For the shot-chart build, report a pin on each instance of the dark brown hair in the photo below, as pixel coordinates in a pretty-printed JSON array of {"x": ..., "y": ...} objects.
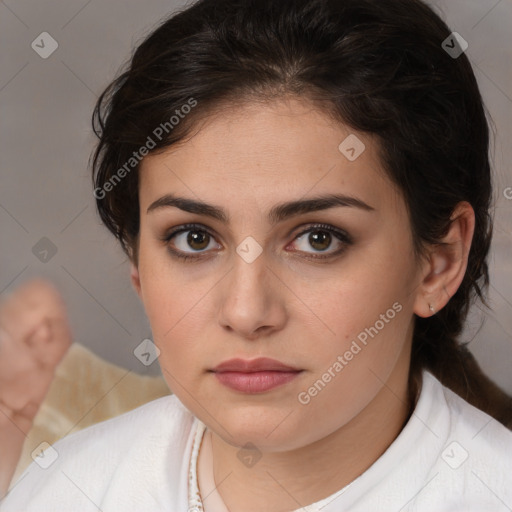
[{"x": 376, "y": 66}]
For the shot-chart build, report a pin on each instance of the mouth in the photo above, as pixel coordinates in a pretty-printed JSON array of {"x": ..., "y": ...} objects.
[{"x": 254, "y": 376}]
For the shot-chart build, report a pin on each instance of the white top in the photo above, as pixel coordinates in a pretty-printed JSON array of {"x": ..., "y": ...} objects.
[{"x": 449, "y": 457}]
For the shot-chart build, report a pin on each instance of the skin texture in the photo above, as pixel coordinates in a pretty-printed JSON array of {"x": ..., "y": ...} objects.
[{"x": 300, "y": 311}]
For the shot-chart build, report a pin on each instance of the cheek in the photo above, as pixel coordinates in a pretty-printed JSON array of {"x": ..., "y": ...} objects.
[
  {"x": 172, "y": 317},
  {"x": 351, "y": 371},
  {"x": 351, "y": 297},
  {"x": 362, "y": 315},
  {"x": 171, "y": 295}
]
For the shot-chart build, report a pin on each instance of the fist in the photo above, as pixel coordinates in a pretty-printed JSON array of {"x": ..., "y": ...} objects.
[{"x": 34, "y": 337}]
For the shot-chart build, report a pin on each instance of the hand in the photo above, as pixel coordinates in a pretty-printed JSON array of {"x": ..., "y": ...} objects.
[{"x": 34, "y": 337}]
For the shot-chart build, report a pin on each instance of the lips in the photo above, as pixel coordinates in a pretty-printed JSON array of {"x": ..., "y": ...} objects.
[
  {"x": 254, "y": 376},
  {"x": 260, "y": 364}
]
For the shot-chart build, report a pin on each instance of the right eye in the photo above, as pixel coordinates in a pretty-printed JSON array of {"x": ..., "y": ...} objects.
[{"x": 189, "y": 236}]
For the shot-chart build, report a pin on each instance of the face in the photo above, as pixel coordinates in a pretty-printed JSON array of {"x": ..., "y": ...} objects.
[{"x": 328, "y": 291}]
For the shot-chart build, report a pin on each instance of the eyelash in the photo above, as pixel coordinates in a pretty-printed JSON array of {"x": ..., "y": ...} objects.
[{"x": 340, "y": 235}]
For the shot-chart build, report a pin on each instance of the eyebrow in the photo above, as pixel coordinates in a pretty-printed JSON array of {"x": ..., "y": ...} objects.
[{"x": 277, "y": 213}]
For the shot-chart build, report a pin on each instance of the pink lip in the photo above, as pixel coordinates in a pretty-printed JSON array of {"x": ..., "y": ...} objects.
[
  {"x": 254, "y": 365},
  {"x": 254, "y": 376}
]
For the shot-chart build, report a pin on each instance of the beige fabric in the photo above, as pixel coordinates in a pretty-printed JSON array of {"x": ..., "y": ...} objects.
[{"x": 86, "y": 390}]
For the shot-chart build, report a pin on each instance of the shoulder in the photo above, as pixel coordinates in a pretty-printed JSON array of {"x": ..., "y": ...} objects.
[
  {"x": 485, "y": 434},
  {"x": 84, "y": 465},
  {"x": 164, "y": 412},
  {"x": 142, "y": 423},
  {"x": 475, "y": 459}
]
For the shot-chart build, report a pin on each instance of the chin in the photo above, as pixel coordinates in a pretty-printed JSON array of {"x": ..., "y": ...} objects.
[{"x": 270, "y": 432}]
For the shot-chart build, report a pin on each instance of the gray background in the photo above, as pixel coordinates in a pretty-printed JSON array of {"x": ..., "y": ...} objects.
[{"x": 46, "y": 141}]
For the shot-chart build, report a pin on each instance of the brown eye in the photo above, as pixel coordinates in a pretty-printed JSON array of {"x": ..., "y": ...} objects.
[
  {"x": 198, "y": 240},
  {"x": 189, "y": 241},
  {"x": 321, "y": 238}
]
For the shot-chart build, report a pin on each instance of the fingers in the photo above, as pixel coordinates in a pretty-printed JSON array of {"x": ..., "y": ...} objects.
[
  {"x": 35, "y": 314},
  {"x": 34, "y": 337},
  {"x": 24, "y": 380},
  {"x": 50, "y": 341},
  {"x": 20, "y": 419},
  {"x": 16, "y": 360}
]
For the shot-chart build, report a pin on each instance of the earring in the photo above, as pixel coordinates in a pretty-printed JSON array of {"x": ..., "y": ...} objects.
[{"x": 431, "y": 308}]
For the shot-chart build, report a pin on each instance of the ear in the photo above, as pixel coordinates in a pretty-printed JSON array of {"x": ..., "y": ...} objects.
[
  {"x": 135, "y": 279},
  {"x": 445, "y": 268}
]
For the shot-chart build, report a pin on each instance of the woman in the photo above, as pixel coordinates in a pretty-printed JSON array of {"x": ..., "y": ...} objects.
[{"x": 303, "y": 190}]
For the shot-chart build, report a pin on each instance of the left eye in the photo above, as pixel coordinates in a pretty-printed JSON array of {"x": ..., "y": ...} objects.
[{"x": 320, "y": 237}]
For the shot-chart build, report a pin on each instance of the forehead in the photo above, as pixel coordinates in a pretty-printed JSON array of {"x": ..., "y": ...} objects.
[{"x": 267, "y": 153}]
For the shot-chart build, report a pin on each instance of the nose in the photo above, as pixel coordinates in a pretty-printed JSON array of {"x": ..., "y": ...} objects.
[{"x": 252, "y": 301}]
